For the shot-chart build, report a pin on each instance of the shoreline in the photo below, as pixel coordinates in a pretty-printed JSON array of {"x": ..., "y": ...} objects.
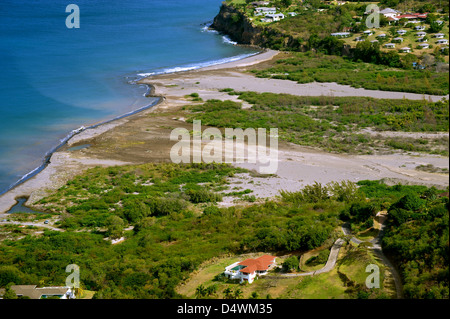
[
  {"x": 82, "y": 133},
  {"x": 138, "y": 127},
  {"x": 70, "y": 138}
]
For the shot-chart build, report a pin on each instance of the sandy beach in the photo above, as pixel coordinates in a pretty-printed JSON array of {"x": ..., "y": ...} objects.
[{"x": 145, "y": 137}]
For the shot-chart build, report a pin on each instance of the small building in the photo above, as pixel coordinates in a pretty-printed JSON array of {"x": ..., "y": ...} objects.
[
  {"x": 292, "y": 14},
  {"x": 389, "y": 45},
  {"x": 398, "y": 39},
  {"x": 424, "y": 45},
  {"x": 367, "y": 32},
  {"x": 439, "y": 35},
  {"x": 32, "y": 292},
  {"x": 422, "y": 39},
  {"x": 359, "y": 39},
  {"x": 383, "y": 35},
  {"x": 419, "y": 27},
  {"x": 275, "y": 17},
  {"x": 421, "y": 34},
  {"x": 374, "y": 41},
  {"x": 402, "y": 32},
  {"x": 249, "y": 269},
  {"x": 405, "y": 49},
  {"x": 264, "y": 11},
  {"x": 341, "y": 34},
  {"x": 390, "y": 13},
  {"x": 442, "y": 41}
]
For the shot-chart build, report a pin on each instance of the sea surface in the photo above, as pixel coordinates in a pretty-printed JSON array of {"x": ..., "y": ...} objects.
[{"x": 54, "y": 79}]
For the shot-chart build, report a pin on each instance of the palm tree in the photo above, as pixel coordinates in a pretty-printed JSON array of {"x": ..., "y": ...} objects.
[
  {"x": 238, "y": 294},
  {"x": 200, "y": 292},
  {"x": 228, "y": 293}
]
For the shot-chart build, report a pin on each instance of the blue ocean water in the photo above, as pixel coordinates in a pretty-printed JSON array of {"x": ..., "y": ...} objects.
[{"x": 54, "y": 79}]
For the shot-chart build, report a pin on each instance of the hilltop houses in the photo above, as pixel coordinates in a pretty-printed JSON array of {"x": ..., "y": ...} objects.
[
  {"x": 249, "y": 269},
  {"x": 390, "y": 13},
  {"x": 341, "y": 34},
  {"x": 389, "y": 45},
  {"x": 264, "y": 11},
  {"x": 405, "y": 49},
  {"x": 442, "y": 41}
]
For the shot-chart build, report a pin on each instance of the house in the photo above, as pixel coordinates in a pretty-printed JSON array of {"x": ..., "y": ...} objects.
[
  {"x": 389, "y": 45},
  {"x": 439, "y": 35},
  {"x": 422, "y": 39},
  {"x": 341, "y": 34},
  {"x": 442, "y": 41},
  {"x": 411, "y": 16},
  {"x": 249, "y": 269},
  {"x": 265, "y": 10},
  {"x": 359, "y": 39},
  {"x": 383, "y": 35},
  {"x": 405, "y": 49},
  {"x": 32, "y": 292},
  {"x": 421, "y": 34},
  {"x": 424, "y": 45},
  {"x": 402, "y": 32},
  {"x": 367, "y": 32},
  {"x": 374, "y": 41},
  {"x": 292, "y": 14},
  {"x": 419, "y": 27},
  {"x": 390, "y": 13},
  {"x": 275, "y": 17},
  {"x": 398, "y": 39}
]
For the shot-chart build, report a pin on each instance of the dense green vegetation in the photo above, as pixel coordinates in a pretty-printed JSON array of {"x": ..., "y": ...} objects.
[
  {"x": 416, "y": 236},
  {"x": 332, "y": 123},
  {"x": 168, "y": 241},
  {"x": 171, "y": 239},
  {"x": 309, "y": 67}
]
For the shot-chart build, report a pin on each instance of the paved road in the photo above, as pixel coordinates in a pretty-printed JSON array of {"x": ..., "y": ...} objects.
[
  {"x": 376, "y": 246},
  {"x": 331, "y": 262}
]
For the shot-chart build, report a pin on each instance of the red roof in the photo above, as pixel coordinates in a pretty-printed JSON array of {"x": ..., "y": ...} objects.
[
  {"x": 262, "y": 263},
  {"x": 413, "y": 16}
]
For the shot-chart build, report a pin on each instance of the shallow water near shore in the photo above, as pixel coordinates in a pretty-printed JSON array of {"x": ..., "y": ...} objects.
[{"x": 56, "y": 79}]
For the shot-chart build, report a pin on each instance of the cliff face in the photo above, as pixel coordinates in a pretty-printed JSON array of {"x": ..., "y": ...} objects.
[{"x": 239, "y": 28}]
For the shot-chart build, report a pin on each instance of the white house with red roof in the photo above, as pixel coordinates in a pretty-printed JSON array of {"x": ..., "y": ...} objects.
[{"x": 248, "y": 269}]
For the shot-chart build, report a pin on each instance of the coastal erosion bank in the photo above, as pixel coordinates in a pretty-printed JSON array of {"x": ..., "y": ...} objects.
[{"x": 145, "y": 137}]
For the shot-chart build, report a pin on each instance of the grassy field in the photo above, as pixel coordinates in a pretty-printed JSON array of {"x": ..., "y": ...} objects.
[
  {"x": 309, "y": 67},
  {"x": 333, "y": 123}
]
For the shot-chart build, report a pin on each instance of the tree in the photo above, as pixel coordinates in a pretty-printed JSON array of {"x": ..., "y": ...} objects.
[
  {"x": 290, "y": 263},
  {"x": 9, "y": 293},
  {"x": 228, "y": 293},
  {"x": 200, "y": 292},
  {"x": 114, "y": 226},
  {"x": 435, "y": 27},
  {"x": 238, "y": 293}
]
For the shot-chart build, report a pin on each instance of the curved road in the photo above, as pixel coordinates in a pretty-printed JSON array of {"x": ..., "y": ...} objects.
[{"x": 376, "y": 246}]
